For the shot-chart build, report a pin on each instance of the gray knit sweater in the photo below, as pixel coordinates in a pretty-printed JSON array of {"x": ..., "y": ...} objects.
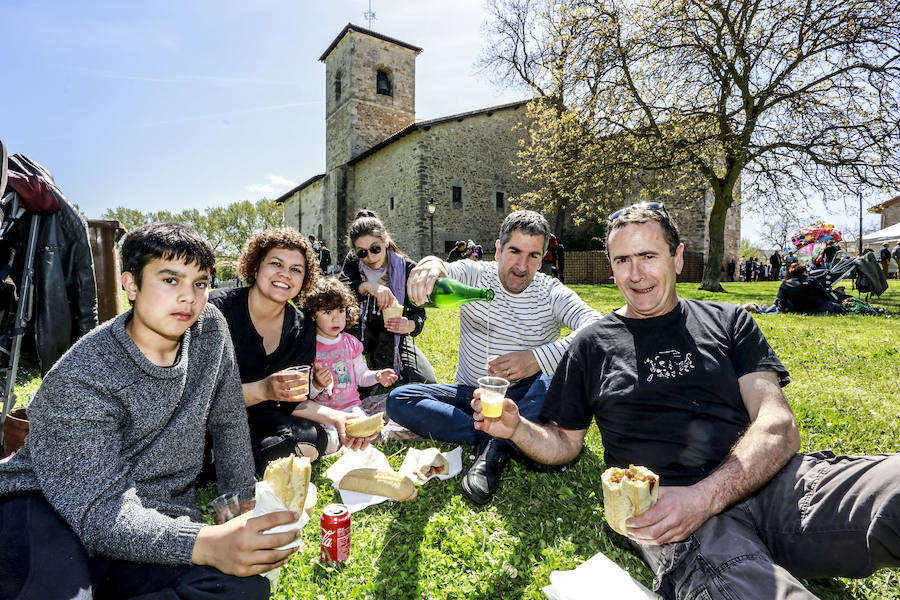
[{"x": 117, "y": 441}]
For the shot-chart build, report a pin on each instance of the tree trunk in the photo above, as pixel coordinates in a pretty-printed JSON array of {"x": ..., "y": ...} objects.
[
  {"x": 712, "y": 270},
  {"x": 560, "y": 223}
]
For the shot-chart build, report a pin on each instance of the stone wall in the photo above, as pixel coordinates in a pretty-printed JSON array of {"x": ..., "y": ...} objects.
[{"x": 473, "y": 153}]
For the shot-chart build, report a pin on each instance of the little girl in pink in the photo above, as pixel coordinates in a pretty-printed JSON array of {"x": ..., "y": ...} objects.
[{"x": 339, "y": 368}]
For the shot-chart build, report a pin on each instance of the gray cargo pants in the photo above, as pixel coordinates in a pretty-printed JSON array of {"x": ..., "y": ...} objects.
[{"x": 821, "y": 516}]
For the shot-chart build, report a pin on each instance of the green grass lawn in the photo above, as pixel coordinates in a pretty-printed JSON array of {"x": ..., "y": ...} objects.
[{"x": 844, "y": 391}]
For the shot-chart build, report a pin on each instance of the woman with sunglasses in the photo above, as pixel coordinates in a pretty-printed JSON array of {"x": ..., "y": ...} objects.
[{"x": 378, "y": 277}]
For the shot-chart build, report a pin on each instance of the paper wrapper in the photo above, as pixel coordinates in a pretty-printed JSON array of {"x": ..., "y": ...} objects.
[
  {"x": 267, "y": 502},
  {"x": 597, "y": 573},
  {"x": 370, "y": 457}
]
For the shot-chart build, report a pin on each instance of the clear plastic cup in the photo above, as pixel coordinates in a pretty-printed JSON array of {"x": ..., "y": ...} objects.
[
  {"x": 231, "y": 504},
  {"x": 303, "y": 371},
  {"x": 493, "y": 391}
]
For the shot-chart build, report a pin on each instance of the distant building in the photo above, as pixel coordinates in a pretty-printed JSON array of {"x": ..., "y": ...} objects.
[
  {"x": 889, "y": 211},
  {"x": 379, "y": 157}
]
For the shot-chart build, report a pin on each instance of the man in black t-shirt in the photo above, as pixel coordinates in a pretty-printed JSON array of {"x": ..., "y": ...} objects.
[{"x": 692, "y": 390}]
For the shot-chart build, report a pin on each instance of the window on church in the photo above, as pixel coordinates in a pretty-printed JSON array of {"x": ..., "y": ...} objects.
[
  {"x": 337, "y": 87},
  {"x": 457, "y": 196},
  {"x": 383, "y": 83},
  {"x": 500, "y": 204},
  {"x": 391, "y": 206}
]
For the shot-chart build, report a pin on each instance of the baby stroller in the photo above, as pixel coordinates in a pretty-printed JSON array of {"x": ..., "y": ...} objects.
[{"x": 864, "y": 270}]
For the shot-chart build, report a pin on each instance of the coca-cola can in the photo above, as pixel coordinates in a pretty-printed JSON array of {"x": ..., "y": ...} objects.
[{"x": 335, "y": 533}]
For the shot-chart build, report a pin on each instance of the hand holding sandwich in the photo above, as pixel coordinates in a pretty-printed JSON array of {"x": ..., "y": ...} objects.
[{"x": 239, "y": 547}]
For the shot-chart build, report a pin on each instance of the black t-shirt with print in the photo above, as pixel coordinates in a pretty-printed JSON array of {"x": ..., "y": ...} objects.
[{"x": 664, "y": 391}]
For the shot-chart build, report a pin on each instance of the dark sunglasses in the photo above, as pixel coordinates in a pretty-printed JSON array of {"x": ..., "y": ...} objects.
[
  {"x": 659, "y": 206},
  {"x": 362, "y": 252}
]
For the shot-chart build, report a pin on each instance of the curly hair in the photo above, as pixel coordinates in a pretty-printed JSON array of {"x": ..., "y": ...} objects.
[
  {"x": 259, "y": 245},
  {"x": 329, "y": 294}
]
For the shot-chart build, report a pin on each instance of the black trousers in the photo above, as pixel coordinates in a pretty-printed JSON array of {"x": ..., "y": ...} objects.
[{"x": 41, "y": 558}]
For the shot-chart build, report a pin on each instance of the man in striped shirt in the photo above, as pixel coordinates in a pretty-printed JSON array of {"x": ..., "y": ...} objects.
[{"x": 516, "y": 336}]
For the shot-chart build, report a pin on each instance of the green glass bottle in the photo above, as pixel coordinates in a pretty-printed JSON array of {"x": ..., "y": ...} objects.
[{"x": 448, "y": 293}]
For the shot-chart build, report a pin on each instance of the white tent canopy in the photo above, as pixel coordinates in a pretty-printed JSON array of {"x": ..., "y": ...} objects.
[{"x": 888, "y": 234}]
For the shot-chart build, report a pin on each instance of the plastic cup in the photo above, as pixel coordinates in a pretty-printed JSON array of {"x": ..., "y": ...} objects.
[
  {"x": 303, "y": 372},
  {"x": 232, "y": 504},
  {"x": 493, "y": 390},
  {"x": 490, "y": 357}
]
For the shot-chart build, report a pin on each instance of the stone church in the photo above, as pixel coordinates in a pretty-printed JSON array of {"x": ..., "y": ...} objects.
[{"x": 379, "y": 157}]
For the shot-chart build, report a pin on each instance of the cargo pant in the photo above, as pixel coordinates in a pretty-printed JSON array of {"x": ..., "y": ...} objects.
[{"x": 821, "y": 516}]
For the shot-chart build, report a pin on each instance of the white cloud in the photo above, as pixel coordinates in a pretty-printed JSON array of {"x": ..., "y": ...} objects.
[
  {"x": 282, "y": 181},
  {"x": 276, "y": 182}
]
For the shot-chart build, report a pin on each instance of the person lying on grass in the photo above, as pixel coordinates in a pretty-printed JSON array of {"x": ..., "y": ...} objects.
[
  {"x": 100, "y": 500},
  {"x": 692, "y": 390},
  {"x": 523, "y": 321}
]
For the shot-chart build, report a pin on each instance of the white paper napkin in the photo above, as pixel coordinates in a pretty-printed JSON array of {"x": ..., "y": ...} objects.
[
  {"x": 597, "y": 573},
  {"x": 370, "y": 457}
]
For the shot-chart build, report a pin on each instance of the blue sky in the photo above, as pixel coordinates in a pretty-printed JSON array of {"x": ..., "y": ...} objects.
[{"x": 173, "y": 105}]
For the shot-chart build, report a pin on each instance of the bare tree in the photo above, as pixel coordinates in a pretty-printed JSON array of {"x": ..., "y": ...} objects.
[{"x": 771, "y": 96}]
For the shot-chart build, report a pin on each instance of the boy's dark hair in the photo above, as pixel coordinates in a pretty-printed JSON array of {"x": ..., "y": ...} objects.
[
  {"x": 329, "y": 294},
  {"x": 166, "y": 241},
  {"x": 259, "y": 245}
]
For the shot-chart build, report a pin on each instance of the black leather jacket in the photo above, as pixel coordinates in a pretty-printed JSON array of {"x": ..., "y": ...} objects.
[{"x": 65, "y": 290}]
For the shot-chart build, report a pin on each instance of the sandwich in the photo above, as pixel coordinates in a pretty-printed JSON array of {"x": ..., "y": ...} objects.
[
  {"x": 377, "y": 482},
  {"x": 393, "y": 311},
  {"x": 289, "y": 479},
  {"x": 361, "y": 427},
  {"x": 627, "y": 493}
]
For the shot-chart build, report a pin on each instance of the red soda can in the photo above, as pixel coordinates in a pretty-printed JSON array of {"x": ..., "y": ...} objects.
[{"x": 335, "y": 533}]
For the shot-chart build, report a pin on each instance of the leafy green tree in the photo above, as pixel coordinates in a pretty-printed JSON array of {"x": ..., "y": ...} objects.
[
  {"x": 227, "y": 228},
  {"x": 759, "y": 97}
]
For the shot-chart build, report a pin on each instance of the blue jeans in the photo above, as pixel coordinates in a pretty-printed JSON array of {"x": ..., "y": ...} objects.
[
  {"x": 443, "y": 412},
  {"x": 821, "y": 516},
  {"x": 41, "y": 558}
]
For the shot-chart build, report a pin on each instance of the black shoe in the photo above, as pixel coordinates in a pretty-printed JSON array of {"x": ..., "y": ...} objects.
[{"x": 481, "y": 481}]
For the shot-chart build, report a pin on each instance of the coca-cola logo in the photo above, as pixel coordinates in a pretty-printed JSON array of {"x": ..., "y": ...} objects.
[{"x": 327, "y": 538}]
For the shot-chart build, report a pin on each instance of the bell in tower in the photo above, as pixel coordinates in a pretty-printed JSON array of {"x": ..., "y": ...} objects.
[{"x": 383, "y": 83}]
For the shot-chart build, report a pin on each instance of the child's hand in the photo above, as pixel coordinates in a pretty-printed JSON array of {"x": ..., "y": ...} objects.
[
  {"x": 385, "y": 377},
  {"x": 353, "y": 443},
  {"x": 322, "y": 377}
]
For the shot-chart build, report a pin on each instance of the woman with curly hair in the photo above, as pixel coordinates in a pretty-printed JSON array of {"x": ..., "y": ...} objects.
[
  {"x": 378, "y": 278},
  {"x": 270, "y": 334}
]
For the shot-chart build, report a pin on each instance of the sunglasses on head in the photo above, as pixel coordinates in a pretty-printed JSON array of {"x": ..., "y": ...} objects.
[
  {"x": 658, "y": 206},
  {"x": 361, "y": 253}
]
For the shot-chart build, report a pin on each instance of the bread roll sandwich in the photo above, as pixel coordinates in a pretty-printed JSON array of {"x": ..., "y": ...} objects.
[
  {"x": 379, "y": 483},
  {"x": 393, "y": 311},
  {"x": 431, "y": 462},
  {"x": 289, "y": 479},
  {"x": 627, "y": 493},
  {"x": 365, "y": 426}
]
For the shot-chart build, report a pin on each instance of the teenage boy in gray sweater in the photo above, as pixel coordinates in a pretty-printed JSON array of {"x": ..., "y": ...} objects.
[{"x": 99, "y": 503}]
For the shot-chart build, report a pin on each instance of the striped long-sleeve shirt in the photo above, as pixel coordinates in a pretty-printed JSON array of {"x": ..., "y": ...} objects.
[{"x": 530, "y": 320}]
